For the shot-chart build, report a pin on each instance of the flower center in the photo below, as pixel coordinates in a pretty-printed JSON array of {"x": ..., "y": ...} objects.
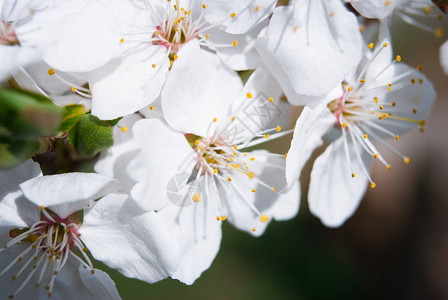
[
  {"x": 7, "y": 35},
  {"x": 52, "y": 240},
  {"x": 177, "y": 28}
]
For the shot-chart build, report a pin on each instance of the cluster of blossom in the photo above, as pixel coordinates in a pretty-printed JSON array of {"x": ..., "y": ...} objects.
[{"x": 183, "y": 160}]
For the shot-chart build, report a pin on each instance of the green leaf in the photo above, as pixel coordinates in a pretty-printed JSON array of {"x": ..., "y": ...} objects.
[
  {"x": 25, "y": 115},
  {"x": 91, "y": 135},
  {"x": 72, "y": 114},
  {"x": 12, "y": 153}
]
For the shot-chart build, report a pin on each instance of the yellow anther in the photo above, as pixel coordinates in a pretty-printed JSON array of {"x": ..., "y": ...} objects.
[
  {"x": 122, "y": 40},
  {"x": 252, "y": 159},
  {"x": 414, "y": 111},
  {"x": 370, "y": 45},
  {"x": 381, "y": 107},
  {"x": 362, "y": 81},
  {"x": 412, "y": 80},
  {"x": 344, "y": 125},
  {"x": 373, "y": 185},
  {"x": 254, "y": 229},
  {"x": 420, "y": 80},
  {"x": 207, "y": 36},
  {"x": 217, "y": 218},
  {"x": 389, "y": 84},
  {"x": 200, "y": 148},
  {"x": 350, "y": 89},
  {"x": 386, "y": 3},
  {"x": 398, "y": 58},
  {"x": 124, "y": 129},
  {"x": 273, "y": 189},
  {"x": 70, "y": 104},
  {"x": 353, "y": 175},
  {"x": 427, "y": 9},
  {"x": 394, "y": 104},
  {"x": 397, "y": 137},
  {"x": 171, "y": 62},
  {"x": 223, "y": 218},
  {"x": 422, "y": 130},
  {"x": 215, "y": 119},
  {"x": 438, "y": 32},
  {"x": 286, "y": 155},
  {"x": 245, "y": 154},
  {"x": 365, "y": 136},
  {"x": 251, "y": 175},
  {"x": 331, "y": 14},
  {"x": 278, "y": 128},
  {"x": 234, "y": 154},
  {"x": 361, "y": 28},
  {"x": 42, "y": 207},
  {"x": 233, "y": 15},
  {"x": 266, "y": 136},
  {"x": 235, "y": 147},
  {"x": 388, "y": 167},
  {"x": 204, "y": 6},
  {"x": 376, "y": 100},
  {"x": 257, "y": 8},
  {"x": 294, "y": 28},
  {"x": 422, "y": 123},
  {"x": 385, "y": 44},
  {"x": 151, "y": 108},
  {"x": 229, "y": 178},
  {"x": 253, "y": 190},
  {"x": 233, "y": 119},
  {"x": 407, "y": 160},
  {"x": 196, "y": 197},
  {"x": 51, "y": 72},
  {"x": 74, "y": 89},
  {"x": 271, "y": 99},
  {"x": 389, "y": 89},
  {"x": 419, "y": 67},
  {"x": 215, "y": 171},
  {"x": 153, "y": 65},
  {"x": 264, "y": 218},
  {"x": 375, "y": 155},
  {"x": 231, "y": 159},
  {"x": 249, "y": 95},
  {"x": 176, "y": 57},
  {"x": 235, "y": 43}
]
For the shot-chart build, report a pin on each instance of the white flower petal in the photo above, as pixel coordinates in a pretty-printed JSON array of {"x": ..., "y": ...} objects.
[
  {"x": 72, "y": 44},
  {"x": 444, "y": 57},
  {"x": 198, "y": 233},
  {"x": 317, "y": 43},
  {"x": 164, "y": 154},
  {"x": 14, "y": 57},
  {"x": 128, "y": 84},
  {"x": 199, "y": 88},
  {"x": 274, "y": 66},
  {"x": 334, "y": 194},
  {"x": 377, "y": 9},
  {"x": 314, "y": 122},
  {"x": 15, "y": 210},
  {"x": 69, "y": 192},
  {"x": 248, "y": 13},
  {"x": 96, "y": 286},
  {"x": 243, "y": 56},
  {"x": 137, "y": 244}
]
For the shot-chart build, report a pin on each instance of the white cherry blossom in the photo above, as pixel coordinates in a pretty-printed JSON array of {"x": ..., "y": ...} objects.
[
  {"x": 46, "y": 237},
  {"x": 382, "y": 99}
]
